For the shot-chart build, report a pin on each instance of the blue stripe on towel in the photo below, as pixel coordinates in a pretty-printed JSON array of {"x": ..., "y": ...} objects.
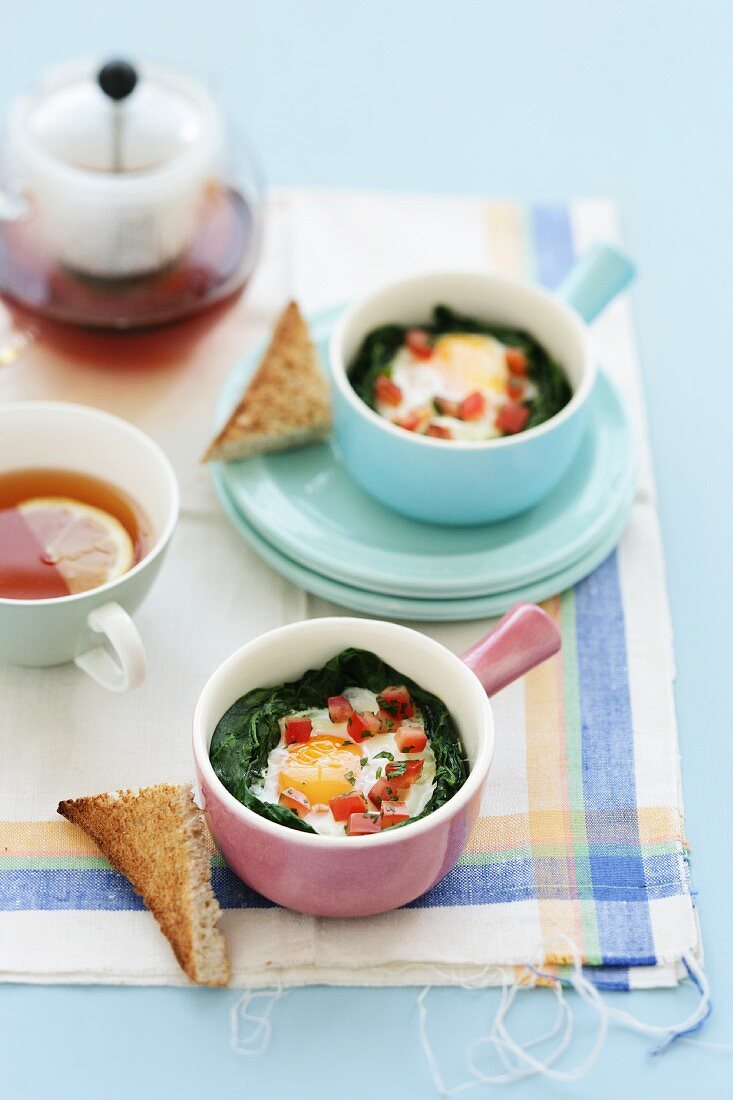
[
  {"x": 608, "y": 977},
  {"x": 554, "y": 254},
  {"x": 98, "y": 888},
  {"x": 467, "y": 884},
  {"x": 608, "y": 743}
]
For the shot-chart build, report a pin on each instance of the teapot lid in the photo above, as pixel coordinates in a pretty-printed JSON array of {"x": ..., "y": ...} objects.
[{"x": 121, "y": 118}]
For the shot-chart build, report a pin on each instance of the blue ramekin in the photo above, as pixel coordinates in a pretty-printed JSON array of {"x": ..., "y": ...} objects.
[{"x": 450, "y": 481}]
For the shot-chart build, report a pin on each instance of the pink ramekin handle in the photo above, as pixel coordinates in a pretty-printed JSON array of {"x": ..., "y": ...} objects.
[{"x": 526, "y": 636}]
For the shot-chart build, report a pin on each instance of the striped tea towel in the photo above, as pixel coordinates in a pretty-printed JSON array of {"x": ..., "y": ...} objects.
[{"x": 581, "y": 832}]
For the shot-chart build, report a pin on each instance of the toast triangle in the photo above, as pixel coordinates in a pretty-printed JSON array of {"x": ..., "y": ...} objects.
[
  {"x": 157, "y": 839},
  {"x": 287, "y": 403}
]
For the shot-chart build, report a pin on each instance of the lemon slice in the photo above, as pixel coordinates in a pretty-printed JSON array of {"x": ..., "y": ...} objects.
[{"x": 87, "y": 545}]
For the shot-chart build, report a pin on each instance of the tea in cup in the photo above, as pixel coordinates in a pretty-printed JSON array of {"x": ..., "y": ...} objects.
[{"x": 88, "y": 504}]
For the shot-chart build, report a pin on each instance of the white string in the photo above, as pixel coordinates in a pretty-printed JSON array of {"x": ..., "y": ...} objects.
[
  {"x": 563, "y": 1015},
  {"x": 502, "y": 1043},
  {"x": 262, "y": 1030},
  {"x": 525, "y": 1064},
  {"x": 669, "y": 1033},
  {"x": 516, "y": 1057}
]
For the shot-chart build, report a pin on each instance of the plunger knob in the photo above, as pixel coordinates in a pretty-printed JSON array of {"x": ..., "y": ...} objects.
[{"x": 117, "y": 79}]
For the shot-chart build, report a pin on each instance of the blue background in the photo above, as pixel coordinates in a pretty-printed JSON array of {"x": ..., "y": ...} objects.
[{"x": 542, "y": 100}]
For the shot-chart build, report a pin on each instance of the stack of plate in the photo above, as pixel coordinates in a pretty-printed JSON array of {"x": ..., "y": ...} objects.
[{"x": 305, "y": 516}]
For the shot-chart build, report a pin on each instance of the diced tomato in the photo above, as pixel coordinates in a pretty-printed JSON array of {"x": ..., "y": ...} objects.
[
  {"x": 388, "y": 721},
  {"x": 393, "y": 813},
  {"x": 363, "y": 824},
  {"x": 386, "y": 391},
  {"x": 361, "y": 726},
  {"x": 356, "y": 727},
  {"x": 418, "y": 343},
  {"x": 448, "y": 408},
  {"x": 410, "y": 423},
  {"x": 511, "y": 418},
  {"x": 515, "y": 388},
  {"x": 339, "y": 708},
  {"x": 439, "y": 431},
  {"x": 297, "y": 729},
  {"x": 295, "y": 800},
  {"x": 379, "y": 723},
  {"x": 383, "y": 791},
  {"x": 516, "y": 361},
  {"x": 413, "y": 421},
  {"x": 396, "y": 701},
  {"x": 344, "y": 805},
  {"x": 403, "y": 773},
  {"x": 410, "y": 739},
  {"x": 473, "y": 407}
]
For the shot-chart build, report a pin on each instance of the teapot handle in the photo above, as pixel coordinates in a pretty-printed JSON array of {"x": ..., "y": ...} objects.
[{"x": 525, "y": 637}]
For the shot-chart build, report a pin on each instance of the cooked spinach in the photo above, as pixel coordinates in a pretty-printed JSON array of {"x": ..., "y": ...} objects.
[
  {"x": 249, "y": 730},
  {"x": 375, "y": 357},
  {"x": 382, "y": 344}
]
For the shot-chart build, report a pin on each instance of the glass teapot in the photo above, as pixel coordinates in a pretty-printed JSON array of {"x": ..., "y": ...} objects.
[{"x": 113, "y": 177}]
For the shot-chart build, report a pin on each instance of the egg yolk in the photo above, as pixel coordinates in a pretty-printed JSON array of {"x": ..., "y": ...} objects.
[
  {"x": 471, "y": 362},
  {"x": 319, "y": 768}
]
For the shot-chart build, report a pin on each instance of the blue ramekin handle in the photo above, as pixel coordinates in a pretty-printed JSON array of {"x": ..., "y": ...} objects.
[{"x": 601, "y": 273}]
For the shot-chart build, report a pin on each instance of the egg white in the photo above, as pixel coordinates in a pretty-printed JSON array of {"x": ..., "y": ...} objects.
[
  {"x": 321, "y": 819},
  {"x": 471, "y": 363}
]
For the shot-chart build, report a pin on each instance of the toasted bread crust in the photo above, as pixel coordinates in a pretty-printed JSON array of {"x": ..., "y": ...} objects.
[
  {"x": 157, "y": 839},
  {"x": 287, "y": 403}
]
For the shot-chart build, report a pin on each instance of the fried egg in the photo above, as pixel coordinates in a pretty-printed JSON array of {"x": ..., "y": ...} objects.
[
  {"x": 461, "y": 364},
  {"x": 330, "y": 764}
]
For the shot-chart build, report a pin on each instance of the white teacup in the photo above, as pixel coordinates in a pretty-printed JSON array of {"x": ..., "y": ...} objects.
[{"x": 93, "y": 629}]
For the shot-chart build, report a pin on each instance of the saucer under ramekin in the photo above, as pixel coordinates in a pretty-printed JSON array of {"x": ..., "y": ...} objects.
[
  {"x": 424, "y": 610},
  {"x": 305, "y": 507}
]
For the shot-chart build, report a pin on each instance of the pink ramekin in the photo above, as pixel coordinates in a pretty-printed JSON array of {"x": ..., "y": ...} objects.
[{"x": 359, "y": 876}]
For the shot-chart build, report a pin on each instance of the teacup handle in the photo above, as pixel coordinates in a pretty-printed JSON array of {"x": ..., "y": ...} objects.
[
  {"x": 525, "y": 637},
  {"x": 129, "y": 668},
  {"x": 601, "y": 273}
]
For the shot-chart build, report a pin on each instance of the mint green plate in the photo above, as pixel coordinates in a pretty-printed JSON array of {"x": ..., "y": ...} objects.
[
  {"x": 422, "y": 610},
  {"x": 305, "y": 505}
]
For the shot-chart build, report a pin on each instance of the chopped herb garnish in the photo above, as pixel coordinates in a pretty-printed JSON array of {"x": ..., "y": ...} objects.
[
  {"x": 380, "y": 346},
  {"x": 351, "y": 778},
  {"x": 364, "y": 761},
  {"x": 383, "y": 755},
  {"x": 379, "y": 773},
  {"x": 248, "y": 731}
]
